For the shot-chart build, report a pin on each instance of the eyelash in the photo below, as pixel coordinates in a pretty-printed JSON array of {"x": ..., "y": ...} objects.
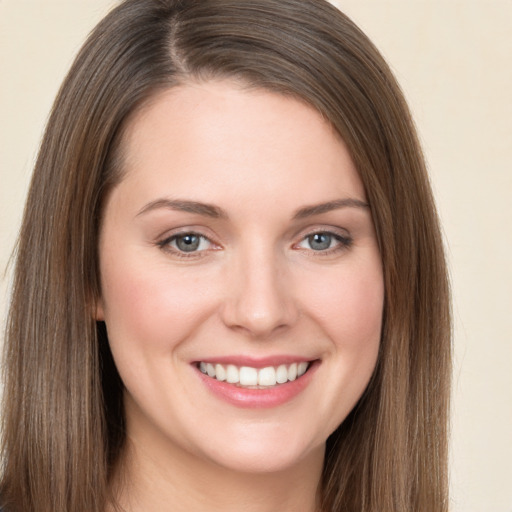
[
  {"x": 343, "y": 242},
  {"x": 165, "y": 244}
]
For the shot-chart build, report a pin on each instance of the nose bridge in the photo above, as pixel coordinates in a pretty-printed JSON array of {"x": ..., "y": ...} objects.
[{"x": 259, "y": 298}]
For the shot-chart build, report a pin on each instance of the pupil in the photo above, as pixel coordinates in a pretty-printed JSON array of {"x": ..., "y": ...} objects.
[
  {"x": 188, "y": 243},
  {"x": 320, "y": 241}
]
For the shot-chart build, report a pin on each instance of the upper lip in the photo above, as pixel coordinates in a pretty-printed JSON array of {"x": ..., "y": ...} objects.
[{"x": 256, "y": 362}]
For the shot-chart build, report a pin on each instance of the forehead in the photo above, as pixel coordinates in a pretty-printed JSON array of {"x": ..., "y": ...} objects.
[{"x": 199, "y": 135}]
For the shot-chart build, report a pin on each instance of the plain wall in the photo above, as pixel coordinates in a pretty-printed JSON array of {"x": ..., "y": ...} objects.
[{"x": 453, "y": 59}]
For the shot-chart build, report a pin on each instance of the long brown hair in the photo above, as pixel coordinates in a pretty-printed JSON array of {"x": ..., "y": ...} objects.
[{"x": 63, "y": 425}]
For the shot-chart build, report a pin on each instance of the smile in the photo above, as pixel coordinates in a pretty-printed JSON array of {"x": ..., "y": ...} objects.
[{"x": 254, "y": 378}]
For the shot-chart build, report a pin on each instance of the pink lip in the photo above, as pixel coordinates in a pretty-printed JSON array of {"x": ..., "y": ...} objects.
[{"x": 258, "y": 398}]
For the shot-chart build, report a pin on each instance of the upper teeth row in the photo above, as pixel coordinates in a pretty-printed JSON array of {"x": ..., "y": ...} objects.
[{"x": 248, "y": 376}]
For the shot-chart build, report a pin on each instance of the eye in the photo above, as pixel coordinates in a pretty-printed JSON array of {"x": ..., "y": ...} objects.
[
  {"x": 324, "y": 241},
  {"x": 186, "y": 243}
]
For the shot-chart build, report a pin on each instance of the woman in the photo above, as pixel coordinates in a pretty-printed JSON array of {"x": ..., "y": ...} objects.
[{"x": 230, "y": 288}]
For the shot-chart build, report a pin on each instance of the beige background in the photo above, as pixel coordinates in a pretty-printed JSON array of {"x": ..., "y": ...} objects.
[{"x": 454, "y": 61}]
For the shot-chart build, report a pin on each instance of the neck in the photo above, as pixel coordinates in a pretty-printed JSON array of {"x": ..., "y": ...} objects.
[{"x": 181, "y": 482}]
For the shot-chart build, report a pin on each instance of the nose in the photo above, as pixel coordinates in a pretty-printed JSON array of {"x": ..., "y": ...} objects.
[{"x": 259, "y": 296}]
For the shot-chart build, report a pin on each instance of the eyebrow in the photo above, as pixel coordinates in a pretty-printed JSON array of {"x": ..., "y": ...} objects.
[
  {"x": 210, "y": 210},
  {"x": 318, "y": 209}
]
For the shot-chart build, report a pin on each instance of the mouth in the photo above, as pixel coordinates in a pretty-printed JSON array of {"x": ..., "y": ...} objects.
[
  {"x": 257, "y": 383},
  {"x": 249, "y": 377}
]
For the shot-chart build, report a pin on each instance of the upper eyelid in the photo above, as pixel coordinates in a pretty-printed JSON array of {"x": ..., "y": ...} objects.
[
  {"x": 164, "y": 244},
  {"x": 337, "y": 236},
  {"x": 171, "y": 237},
  {"x": 344, "y": 238},
  {"x": 334, "y": 230},
  {"x": 173, "y": 233},
  {"x": 299, "y": 235}
]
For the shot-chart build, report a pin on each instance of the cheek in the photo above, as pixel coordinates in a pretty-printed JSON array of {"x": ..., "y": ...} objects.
[
  {"x": 349, "y": 305},
  {"x": 151, "y": 305}
]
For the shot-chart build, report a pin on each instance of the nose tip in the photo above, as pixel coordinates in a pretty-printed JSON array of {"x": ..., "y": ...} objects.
[
  {"x": 259, "y": 301},
  {"x": 260, "y": 322}
]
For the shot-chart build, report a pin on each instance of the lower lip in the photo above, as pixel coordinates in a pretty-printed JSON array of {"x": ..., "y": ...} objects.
[{"x": 259, "y": 398}]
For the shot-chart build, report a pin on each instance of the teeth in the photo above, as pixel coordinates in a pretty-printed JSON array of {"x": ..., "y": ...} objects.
[
  {"x": 248, "y": 376},
  {"x": 267, "y": 376},
  {"x": 292, "y": 372},
  {"x": 220, "y": 372},
  {"x": 254, "y": 377},
  {"x": 210, "y": 370},
  {"x": 281, "y": 374},
  {"x": 301, "y": 369},
  {"x": 232, "y": 374}
]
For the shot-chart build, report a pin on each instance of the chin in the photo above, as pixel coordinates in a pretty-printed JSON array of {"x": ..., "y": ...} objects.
[{"x": 266, "y": 453}]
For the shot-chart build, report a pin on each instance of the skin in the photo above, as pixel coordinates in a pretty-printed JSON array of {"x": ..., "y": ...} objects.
[{"x": 255, "y": 286}]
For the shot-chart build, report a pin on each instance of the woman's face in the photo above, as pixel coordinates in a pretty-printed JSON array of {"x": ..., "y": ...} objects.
[{"x": 242, "y": 286}]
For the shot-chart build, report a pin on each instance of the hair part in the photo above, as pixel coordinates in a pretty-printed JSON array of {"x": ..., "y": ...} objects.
[{"x": 63, "y": 427}]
